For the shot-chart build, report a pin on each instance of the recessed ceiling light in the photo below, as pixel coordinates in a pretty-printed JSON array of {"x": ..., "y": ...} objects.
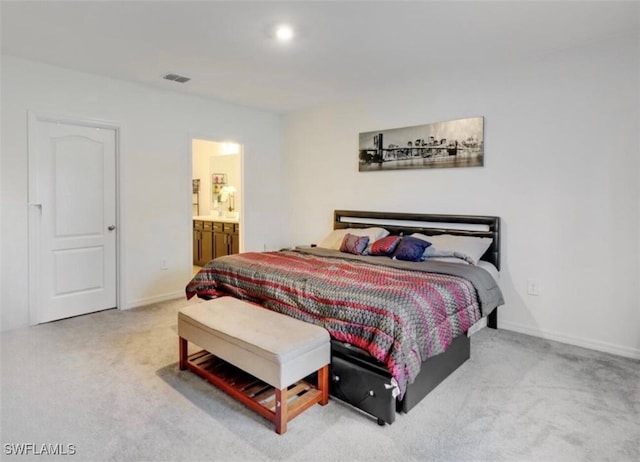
[{"x": 284, "y": 32}]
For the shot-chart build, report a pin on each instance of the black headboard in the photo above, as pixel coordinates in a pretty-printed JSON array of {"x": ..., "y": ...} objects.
[{"x": 430, "y": 224}]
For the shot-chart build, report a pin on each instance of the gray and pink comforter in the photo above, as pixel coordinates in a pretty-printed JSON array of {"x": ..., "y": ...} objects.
[{"x": 401, "y": 313}]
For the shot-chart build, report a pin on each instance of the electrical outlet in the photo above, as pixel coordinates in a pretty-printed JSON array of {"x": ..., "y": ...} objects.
[
  {"x": 533, "y": 288},
  {"x": 163, "y": 264}
]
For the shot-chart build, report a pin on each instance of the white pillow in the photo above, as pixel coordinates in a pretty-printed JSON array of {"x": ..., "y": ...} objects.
[
  {"x": 448, "y": 245},
  {"x": 335, "y": 237}
]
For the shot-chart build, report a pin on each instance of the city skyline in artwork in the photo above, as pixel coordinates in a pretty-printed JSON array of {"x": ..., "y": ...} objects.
[{"x": 450, "y": 144}]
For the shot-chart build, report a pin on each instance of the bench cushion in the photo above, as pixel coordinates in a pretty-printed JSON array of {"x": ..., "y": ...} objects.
[{"x": 271, "y": 346}]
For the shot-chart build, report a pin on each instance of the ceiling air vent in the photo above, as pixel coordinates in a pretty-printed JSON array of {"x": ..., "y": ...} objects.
[{"x": 176, "y": 78}]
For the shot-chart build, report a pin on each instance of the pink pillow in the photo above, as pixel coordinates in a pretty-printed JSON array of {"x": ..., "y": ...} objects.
[{"x": 384, "y": 246}]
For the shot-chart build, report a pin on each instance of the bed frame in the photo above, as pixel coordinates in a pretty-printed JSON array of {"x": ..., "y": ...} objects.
[{"x": 363, "y": 382}]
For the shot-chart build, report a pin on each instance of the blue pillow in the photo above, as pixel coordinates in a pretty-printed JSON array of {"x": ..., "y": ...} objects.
[
  {"x": 354, "y": 244},
  {"x": 411, "y": 249}
]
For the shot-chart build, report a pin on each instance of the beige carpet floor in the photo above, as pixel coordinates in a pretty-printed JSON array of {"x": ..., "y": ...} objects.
[{"x": 108, "y": 385}]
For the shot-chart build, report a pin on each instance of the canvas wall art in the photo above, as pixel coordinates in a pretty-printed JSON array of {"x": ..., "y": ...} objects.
[{"x": 456, "y": 143}]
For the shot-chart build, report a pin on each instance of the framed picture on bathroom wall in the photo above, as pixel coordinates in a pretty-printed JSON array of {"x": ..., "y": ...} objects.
[{"x": 218, "y": 181}]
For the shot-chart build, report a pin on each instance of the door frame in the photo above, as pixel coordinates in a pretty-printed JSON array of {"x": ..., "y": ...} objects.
[
  {"x": 33, "y": 201},
  {"x": 189, "y": 197}
]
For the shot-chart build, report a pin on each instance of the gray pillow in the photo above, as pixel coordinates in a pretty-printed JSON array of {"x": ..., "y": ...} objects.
[{"x": 467, "y": 248}]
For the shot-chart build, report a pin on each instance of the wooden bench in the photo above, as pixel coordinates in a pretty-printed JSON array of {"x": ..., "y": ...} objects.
[{"x": 257, "y": 356}]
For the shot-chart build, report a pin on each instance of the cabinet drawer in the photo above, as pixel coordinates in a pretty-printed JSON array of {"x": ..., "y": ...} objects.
[
  {"x": 207, "y": 225},
  {"x": 362, "y": 388},
  {"x": 217, "y": 226},
  {"x": 228, "y": 227},
  {"x": 197, "y": 224}
]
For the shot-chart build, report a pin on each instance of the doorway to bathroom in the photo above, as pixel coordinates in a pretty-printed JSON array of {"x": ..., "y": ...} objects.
[{"x": 217, "y": 199}]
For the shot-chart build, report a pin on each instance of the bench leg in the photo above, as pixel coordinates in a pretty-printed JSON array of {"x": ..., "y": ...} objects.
[
  {"x": 323, "y": 384},
  {"x": 183, "y": 352},
  {"x": 281, "y": 411}
]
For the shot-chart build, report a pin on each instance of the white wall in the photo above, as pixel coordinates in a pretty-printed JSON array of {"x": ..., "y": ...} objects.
[
  {"x": 157, "y": 129},
  {"x": 561, "y": 168},
  {"x": 229, "y": 164},
  {"x": 209, "y": 158},
  {"x": 201, "y": 152}
]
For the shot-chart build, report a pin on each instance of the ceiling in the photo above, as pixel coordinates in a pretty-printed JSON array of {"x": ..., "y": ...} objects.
[{"x": 341, "y": 48}]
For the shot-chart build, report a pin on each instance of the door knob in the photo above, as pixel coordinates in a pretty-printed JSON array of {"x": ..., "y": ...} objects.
[{"x": 111, "y": 227}]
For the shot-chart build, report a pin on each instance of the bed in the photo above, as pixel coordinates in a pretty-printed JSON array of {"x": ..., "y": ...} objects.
[{"x": 398, "y": 327}]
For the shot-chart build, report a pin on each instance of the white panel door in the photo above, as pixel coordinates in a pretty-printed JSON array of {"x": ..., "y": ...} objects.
[{"x": 76, "y": 187}]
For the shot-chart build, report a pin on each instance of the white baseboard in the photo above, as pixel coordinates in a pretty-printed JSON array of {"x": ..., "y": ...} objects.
[
  {"x": 597, "y": 345},
  {"x": 155, "y": 299}
]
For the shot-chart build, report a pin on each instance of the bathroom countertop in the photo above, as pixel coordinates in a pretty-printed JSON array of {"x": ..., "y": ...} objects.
[{"x": 222, "y": 219}]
